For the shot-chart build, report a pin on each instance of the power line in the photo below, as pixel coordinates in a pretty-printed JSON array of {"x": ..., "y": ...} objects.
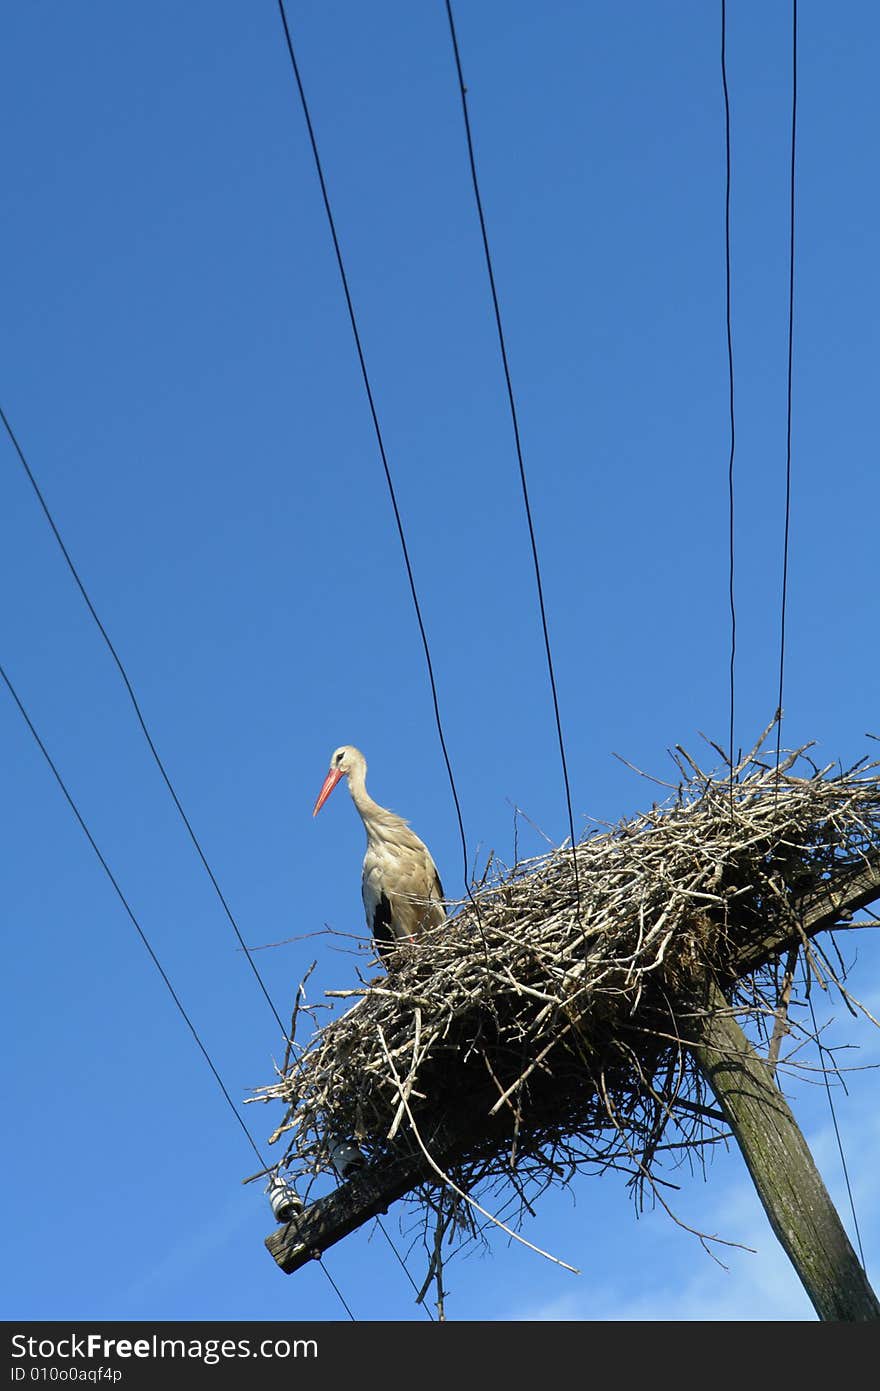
[
  {"x": 516, "y": 435},
  {"x": 785, "y": 549},
  {"x": 141, "y": 721},
  {"x": 137, "y": 709},
  {"x": 162, "y": 769},
  {"x": 143, "y": 936},
  {"x": 376, "y": 426},
  {"x": 339, "y": 1293},
  {"x": 126, "y": 905},
  {"x": 790, "y": 360},
  {"x": 319, "y": 169},
  {"x": 403, "y": 1265},
  {"x": 730, "y": 476},
  {"x": 838, "y": 1137}
]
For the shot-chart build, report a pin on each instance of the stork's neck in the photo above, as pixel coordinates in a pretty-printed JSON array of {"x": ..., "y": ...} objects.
[{"x": 371, "y": 813}]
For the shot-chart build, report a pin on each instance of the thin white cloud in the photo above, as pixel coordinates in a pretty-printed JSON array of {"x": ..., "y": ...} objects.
[{"x": 759, "y": 1286}]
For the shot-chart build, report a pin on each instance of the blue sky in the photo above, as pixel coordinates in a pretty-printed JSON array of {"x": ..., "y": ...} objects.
[{"x": 179, "y": 369}]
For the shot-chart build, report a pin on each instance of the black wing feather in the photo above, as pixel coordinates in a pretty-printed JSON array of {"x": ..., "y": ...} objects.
[{"x": 381, "y": 929}]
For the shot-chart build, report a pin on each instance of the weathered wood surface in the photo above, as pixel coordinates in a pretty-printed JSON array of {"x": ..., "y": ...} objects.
[
  {"x": 372, "y": 1190},
  {"x": 817, "y": 913},
  {"x": 367, "y": 1194},
  {"x": 787, "y": 1181}
]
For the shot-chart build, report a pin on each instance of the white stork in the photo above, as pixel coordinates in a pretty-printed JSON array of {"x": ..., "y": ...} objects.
[{"x": 402, "y": 893}]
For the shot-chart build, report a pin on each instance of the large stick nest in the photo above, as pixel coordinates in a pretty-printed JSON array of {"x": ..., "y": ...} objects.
[{"x": 545, "y": 1022}]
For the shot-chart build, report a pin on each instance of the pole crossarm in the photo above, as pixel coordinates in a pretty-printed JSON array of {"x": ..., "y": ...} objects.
[
  {"x": 330, "y": 1219},
  {"x": 372, "y": 1190},
  {"x": 818, "y": 912}
]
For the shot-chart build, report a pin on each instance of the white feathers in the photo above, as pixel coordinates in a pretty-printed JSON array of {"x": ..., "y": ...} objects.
[{"x": 402, "y": 893}]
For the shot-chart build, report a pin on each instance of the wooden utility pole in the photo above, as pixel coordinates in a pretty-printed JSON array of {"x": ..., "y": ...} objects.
[
  {"x": 795, "y": 1199},
  {"x": 788, "y": 1183}
]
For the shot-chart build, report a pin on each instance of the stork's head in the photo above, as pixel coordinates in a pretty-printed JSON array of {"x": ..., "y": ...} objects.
[{"x": 345, "y": 761}]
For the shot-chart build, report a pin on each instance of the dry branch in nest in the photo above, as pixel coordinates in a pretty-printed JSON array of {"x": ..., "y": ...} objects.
[{"x": 548, "y": 1035}]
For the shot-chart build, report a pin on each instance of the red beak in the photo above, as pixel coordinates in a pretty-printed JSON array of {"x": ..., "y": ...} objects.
[{"x": 330, "y": 782}]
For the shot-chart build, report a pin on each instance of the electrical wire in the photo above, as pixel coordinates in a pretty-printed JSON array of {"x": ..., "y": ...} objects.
[
  {"x": 339, "y": 1293},
  {"x": 403, "y": 1265},
  {"x": 376, "y": 426},
  {"x": 163, "y": 771},
  {"x": 147, "y": 944},
  {"x": 518, "y": 442},
  {"x": 730, "y": 471},
  {"x": 161, "y": 766},
  {"x": 126, "y": 905},
  {"x": 789, "y": 394},
  {"x": 137, "y": 710},
  {"x": 837, "y": 1134},
  {"x": 319, "y": 169},
  {"x": 785, "y": 555}
]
